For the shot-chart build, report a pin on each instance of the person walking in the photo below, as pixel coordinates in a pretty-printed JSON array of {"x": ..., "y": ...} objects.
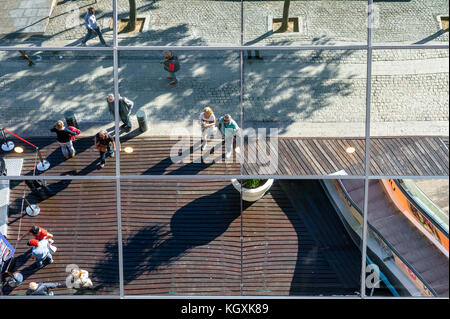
[
  {"x": 171, "y": 65},
  {"x": 42, "y": 251},
  {"x": 64, "y": 139},
  {"x": 39, "y": 233},
  {"x": 207, "y": 123},
  {"x": 125, "y": 106},
  {"x": 90, "y": 22},
  {"x": 229, "y": 129},
  {"x": 42, "y": 289},
  {"x": 104, "y": 143}
]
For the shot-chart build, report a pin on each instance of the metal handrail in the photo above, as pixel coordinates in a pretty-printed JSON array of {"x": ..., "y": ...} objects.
[
  {"x": 385, "y": 241},
  {"x": 420, "y": 208}
]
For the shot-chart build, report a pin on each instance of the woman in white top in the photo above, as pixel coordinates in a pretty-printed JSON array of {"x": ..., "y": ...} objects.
[{"x": 208, "y": 125}]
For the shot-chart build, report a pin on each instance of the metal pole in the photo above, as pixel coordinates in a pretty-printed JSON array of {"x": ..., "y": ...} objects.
[
  {"x": 6, "y": 145},
  {"x": 29, "y": 204},
  {"x": 32, "y": 210},
  {"x": 43, "y": 164},
  {"x": 4, "y": 137}
]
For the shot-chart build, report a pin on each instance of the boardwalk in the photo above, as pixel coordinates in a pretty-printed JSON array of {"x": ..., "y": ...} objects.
[
  {"x": 396, "y": 156},
  {"x": 189, "y": 237},
  {"x": 82, "y": 217}
]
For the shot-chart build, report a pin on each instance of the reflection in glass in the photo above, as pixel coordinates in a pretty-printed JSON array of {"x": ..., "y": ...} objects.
[
  {"x": 170, "y": 91},
  {"x": 407, "y": 240},
  {"x": 318, "y": 22},
  {"x": 55, "y": 23},
  {"x": 409, "y": 112},
  {"x": 42, "y": 105},
  {"x": 75, "y": 219}
]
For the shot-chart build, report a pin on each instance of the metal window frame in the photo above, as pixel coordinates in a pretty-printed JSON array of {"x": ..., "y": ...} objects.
[{"x": 118, "y": 177}]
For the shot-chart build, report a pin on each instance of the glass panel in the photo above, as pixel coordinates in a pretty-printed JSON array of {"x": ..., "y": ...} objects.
[
  {"x": 168, "y": 140},
  {"x": 314, "y": 101},
  {"x": 172, "y": 22},
  {"x": 408, "y": 238},
  {"x": 67, "y": 86},
  {"x": 181, "y": 237},
  {"x": 409, "y": 112},
  {"x": 79, "y": 217},
  {"x": 407, "y": 22},
  {"x": 46, "y": 23},
  {"x": 310, "y": 22},
  {"x": 299, "y": 241}
]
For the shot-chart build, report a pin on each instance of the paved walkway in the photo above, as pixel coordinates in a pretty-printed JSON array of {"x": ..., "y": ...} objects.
[
  {"x": 319, "y": 94},
  {"x": 208, "y": 22}
]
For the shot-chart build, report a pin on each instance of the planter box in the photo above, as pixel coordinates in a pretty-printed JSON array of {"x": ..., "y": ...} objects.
[{"x": 252, "y": 195}]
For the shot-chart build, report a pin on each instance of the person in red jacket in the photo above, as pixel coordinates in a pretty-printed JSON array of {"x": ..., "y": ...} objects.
[
  {"x": 171, "y": 65},
  {"x": 39, "y": 233}
]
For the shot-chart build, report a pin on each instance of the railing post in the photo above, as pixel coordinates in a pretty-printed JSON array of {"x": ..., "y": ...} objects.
[
  {"x": 43, "y": 164},
  {"x": 6, "y": 145},
  {"x": 32, "y": 209}
]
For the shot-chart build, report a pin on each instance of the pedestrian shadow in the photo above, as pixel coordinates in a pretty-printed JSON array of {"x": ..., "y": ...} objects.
[
  {"x": 189, "y": 168},
  {"x": 156, "y": 245}
]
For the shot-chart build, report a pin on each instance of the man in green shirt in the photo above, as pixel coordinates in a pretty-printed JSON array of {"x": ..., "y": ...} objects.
[{"x": 229, "y": 129}]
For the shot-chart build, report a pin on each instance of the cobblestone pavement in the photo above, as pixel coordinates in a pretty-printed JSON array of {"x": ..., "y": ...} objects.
[
  {"x": 302, "y": 93},
  {"x": 208, "y": 22}
]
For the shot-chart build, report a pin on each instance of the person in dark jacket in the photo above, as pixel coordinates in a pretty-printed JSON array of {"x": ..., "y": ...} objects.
[
  {"x": 63, "y": 137},
  {"x": 125, "y": 106},
  {"x": 104, "y": 143},
  {"x": 171, "y": 65},
  {"x": 42, "y": 289}
]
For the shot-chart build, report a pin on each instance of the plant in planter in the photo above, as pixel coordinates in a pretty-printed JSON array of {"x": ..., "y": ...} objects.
[
  {"x": 252, "y": 183},
  {"x": 252, "y": 189}
]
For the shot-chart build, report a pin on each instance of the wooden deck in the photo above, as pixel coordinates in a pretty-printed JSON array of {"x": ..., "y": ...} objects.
[
  {"x": 415, "y": 156},
  {"x": 82, "y": 217},
  {"x": 393, "y": 156},
  {"x": 189, "y": 237}
]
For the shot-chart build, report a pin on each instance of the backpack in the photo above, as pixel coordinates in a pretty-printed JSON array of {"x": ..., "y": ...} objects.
[
  {"x": 74, "y": 129},
  {"x": 174, "y": 65}
]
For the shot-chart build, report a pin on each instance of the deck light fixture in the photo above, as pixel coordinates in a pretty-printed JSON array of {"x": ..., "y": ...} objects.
[
  {"x": 350, "y": 149},
  {"x": 128, "y": 149},
  {"x": 18, "y": 149}
]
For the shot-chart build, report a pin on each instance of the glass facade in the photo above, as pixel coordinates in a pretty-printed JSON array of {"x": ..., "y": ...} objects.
[{"x": 310, "y": 162}]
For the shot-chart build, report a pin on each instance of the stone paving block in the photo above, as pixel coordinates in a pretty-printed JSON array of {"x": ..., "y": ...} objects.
[
  {"x": 21, "y": 22},
  {"x": 31, "y": 13},
  {"x": 16, "y": 13}
]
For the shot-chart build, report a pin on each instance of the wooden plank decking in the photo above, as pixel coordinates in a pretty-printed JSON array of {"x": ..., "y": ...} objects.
[
  {"x": 185, "y": 237},
  {"x": 393, "y": 156},
  {"x": 82, "y": 217}
]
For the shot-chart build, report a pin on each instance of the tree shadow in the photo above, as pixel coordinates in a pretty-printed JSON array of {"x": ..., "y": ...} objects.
[
  {"x": 283, "y": 95},
  {"x": 157, "y": 245}
]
